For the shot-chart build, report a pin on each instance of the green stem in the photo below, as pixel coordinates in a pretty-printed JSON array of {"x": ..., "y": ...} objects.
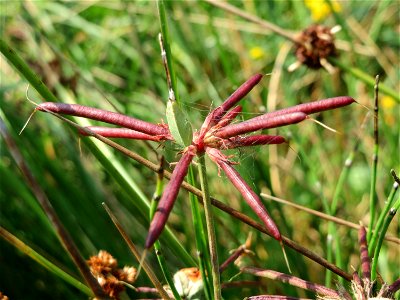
[
  {"x": 17, "y": 243},
  {"x": 379, "y": 223},
  {"x": 366, "y": 78},
  {"x": 385, "y": 227},
  {"x": 210, "y": 228},
  {"x": 201, "y": 239},
  {"x": 165, "y": 34},
  {"x": 372, "y": 193},
  {"x": 157, "y": 245}
]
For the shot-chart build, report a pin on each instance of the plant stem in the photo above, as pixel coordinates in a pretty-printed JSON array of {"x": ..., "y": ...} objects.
[
  {"x": 201, "y": 239},
  {"x": 157, "y": 245},
  {"x": 385, "y": 227},
  {"x": 17, "y": 243},
  {"x": 210, "y": 228},
  {"x": 372, "y": 193},
  {"x": 267, "y": 25},
  {"x": 379, "y": 223},
  {"x": 165, "y": 34}
]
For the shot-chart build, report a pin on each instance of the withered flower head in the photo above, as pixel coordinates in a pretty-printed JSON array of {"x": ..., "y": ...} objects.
[
  {"x": 105, "y": 268},
  {"x": 3, "y": 297},
  {"x": 316, "y": 44}
]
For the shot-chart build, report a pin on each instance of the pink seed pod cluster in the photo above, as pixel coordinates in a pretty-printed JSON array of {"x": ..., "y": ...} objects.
[{"x": 215, "y": 135}]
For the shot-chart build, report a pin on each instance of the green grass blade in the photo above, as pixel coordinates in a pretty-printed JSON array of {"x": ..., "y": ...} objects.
[
  {"x": 17, "y": 243},
  {"x": 383, "y": 214},
  {"x": 385, "y": 227}
]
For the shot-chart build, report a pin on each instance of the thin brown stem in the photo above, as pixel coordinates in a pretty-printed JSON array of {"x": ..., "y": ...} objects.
[
  {"x": 236, "y": 11},
  {"x": 325, "y": 216}
]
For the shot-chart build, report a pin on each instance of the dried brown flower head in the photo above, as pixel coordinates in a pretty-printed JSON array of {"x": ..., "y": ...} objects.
[
  {"x": 3, "y": 297},
  {"x": 316, "y": 44},
  {"x": 105, "y": 268}
]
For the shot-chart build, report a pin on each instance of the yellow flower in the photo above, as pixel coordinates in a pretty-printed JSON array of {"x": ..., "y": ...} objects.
[
  {"x": 256, "y": 52},
  {"x": 388, "y": 102},
  {"x": 320, "y": 8}
]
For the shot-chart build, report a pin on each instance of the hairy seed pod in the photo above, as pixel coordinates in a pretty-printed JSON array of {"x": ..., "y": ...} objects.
[
  {"x": 169, "y": 196},
  {"x": 257, "y": 124},
  {"x": 248, "y": 194},
  {"x": 365, "y": 261},
  {"x": 394, "y": 287},
  {"x": 103, "y": 116},
  {"x": 254, "y": 140},
  {"x": 123, "y": 133},
  {"x": 296, "y": 281},
  {"x": 238, "y": 95},
  {"x": 215, "y": 115},
  {"x": 311, "y": 107},
  {"x": 229, "y": 117}
]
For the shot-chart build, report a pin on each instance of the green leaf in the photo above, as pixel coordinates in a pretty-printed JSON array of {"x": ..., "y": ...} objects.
[{"x": 178, "y": 124}]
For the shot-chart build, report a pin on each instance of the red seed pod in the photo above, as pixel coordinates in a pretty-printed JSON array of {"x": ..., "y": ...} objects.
[
  {"x": 248, "y": 194},
  {"x": 257, "y": 124},
  {"x": 221, "y": 110},
  {"x": 169, "y": 196},
  {"x": 259, "y": 139},
  {"x": 103, "y": 116},
  {"x": 365, "y": 261},
  {"x": 311, "y": 107},
  {"x": 394, "y": 287},
  {"x": 229, "y": 117},
  {"x": 238, "y": 95},
  {"x": 123, "y": 133}
]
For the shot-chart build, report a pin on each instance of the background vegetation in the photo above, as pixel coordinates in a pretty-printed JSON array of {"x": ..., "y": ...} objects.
[{"x": 106, "y": 54}]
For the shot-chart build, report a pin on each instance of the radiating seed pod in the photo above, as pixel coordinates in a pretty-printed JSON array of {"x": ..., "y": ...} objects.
[
  {"x": 310, "y": 107},
  {"x": 248, "y": 194},
  {"x": 103, "y": 116},
  {"x": 229, "y": 117},
  {"x": 168, "y": 197},
  {"x": 123, "y": 133},
  {"x": 258, "y": 124},
  {"x": 254, "y": 140},
  {"x": 215, "y": 115},
  {"x": 238, "y": 95}
]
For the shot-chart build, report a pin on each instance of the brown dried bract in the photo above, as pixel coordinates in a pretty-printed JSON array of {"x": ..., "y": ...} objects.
[
  {"x": 105, "y": 268},
  {"x": 316, "y": 43},
  {"x": 3, "y": 297}
]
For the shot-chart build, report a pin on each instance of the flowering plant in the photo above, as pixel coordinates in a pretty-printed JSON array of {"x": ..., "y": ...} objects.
[{"x": 215, "y": 135}]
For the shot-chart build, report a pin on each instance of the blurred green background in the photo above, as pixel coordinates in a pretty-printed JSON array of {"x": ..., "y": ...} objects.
[{"x": 106, "y": 54}]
